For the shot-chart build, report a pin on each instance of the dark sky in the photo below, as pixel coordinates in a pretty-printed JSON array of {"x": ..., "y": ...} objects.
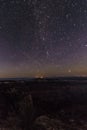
[{"x": 43, "y": 37}]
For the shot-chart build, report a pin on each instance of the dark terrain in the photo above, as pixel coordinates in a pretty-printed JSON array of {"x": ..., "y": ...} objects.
[{"x": 44, "y": 104}]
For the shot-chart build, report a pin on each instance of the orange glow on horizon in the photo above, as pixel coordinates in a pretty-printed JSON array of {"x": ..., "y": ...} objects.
[{"x": 39, "y": 76}]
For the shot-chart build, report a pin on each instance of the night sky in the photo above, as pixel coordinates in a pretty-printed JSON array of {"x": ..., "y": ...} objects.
[{"x": 43, "y": 38}]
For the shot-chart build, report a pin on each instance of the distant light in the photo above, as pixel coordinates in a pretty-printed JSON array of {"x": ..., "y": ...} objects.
[
  {"x": 69, "y": 71},
  {"x": 39, "y": 76},
  {"x": 84, "y": 76}
]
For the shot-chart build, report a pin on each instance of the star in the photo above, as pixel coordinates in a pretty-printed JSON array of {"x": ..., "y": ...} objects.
[
  {"x": 47, "y": 53},
  {"x": 85, "y": 45}
]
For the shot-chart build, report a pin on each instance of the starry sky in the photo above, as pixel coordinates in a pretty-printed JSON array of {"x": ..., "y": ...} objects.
[{"x": 43, "y": 38}]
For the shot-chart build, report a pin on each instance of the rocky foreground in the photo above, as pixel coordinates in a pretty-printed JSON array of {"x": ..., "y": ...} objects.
[
  {"x": 26, "y": 118},
  {"x": 43, "y": 105}
]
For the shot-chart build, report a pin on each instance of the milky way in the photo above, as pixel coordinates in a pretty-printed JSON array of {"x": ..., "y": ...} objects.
[{"x": 43, "y": 37}]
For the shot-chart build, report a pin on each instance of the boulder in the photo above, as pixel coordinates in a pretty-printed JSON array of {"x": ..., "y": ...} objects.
[{"x": 46, "y": 123}]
